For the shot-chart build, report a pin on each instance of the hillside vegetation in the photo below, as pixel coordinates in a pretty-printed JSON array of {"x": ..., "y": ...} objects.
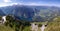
[
  {"x": 14, "y": 25},
  {"x": 21, "y": 25},
  {"x": 5, "y": 28},
  {"x": 54, "y": 25}
]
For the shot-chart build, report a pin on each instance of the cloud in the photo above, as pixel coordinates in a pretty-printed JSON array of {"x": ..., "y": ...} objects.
[
  {"x": 42, "y": 4},
  {"x": 35, "y": 4},
  {"x": 30, "y": 4},
  {"x": 7, "y": 1},
  {"x": 3, "y": 4},
  {"x": 17, "y": 3}
]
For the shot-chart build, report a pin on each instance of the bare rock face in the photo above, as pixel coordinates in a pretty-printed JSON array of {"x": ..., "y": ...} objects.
[{"x": 3, "y": 20}]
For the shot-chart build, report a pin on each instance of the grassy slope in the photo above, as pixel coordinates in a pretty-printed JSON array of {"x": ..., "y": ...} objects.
[
  {"x": 4, "y": 28},
  {"x": 54, "y": 26},
  {"x": 27, "y": 28}
]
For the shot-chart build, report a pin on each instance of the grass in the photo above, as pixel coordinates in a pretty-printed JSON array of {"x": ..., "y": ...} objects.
[
  {"x": 7, "y": 28},
  {"x": 53, "y": 26},
  {"x": 27, "y": 28},
  {"x": 4, "y": 28}
]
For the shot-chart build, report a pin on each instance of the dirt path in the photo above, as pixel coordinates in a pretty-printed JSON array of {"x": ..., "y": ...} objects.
[
  {"x": 34, "y": 27},
  {"x": 43, "y": 27}
]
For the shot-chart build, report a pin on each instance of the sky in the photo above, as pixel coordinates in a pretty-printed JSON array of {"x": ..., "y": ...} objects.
[{"x": 30, "y": 2}]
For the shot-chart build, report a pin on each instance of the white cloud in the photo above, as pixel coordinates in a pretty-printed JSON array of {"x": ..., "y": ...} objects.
[
  {"x": 36, "y": 4},
  {"x": 16, "y": 4},
  {"x": 7, "y": 1},
  {"x": 3, "y": 4},
  {"x": 31, "y": 4},
  {"x": 43, "y": 4}
]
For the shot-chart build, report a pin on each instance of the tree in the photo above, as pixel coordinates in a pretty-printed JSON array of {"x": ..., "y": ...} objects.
[
  {"x": 16, "y": 24},
  {"x": 0, "y": 17}
]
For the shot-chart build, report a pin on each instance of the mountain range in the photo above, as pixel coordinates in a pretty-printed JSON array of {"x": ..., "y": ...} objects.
[{"x": 31, "y": 13}]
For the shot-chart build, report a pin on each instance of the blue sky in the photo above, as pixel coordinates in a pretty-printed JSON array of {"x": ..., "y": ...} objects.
[{"x": 30, "y": 2}]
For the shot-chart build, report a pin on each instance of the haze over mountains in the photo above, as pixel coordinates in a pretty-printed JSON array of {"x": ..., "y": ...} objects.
[{"x": 31, "y": 13}]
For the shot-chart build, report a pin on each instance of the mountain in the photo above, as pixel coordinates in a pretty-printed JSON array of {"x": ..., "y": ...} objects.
[
  {"x": 1, "y": 13},
  {"x": 31, "y": 13},
  {"x": 21, "y": 12}
]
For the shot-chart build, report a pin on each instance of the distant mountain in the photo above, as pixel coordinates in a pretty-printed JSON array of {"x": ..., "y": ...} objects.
[
  {"x": 30, "y": 13},
  {"x": 1, "y": 13}
]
